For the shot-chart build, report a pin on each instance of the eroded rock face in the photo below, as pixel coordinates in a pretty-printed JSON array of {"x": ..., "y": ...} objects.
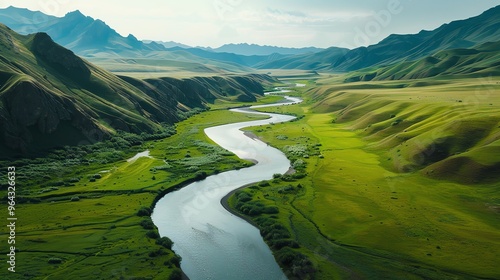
[
  {"x": 59, "y": 57},
  {"x": 29, "y": 107}
]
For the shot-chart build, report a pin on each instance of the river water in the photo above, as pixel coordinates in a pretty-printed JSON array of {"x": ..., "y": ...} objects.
[{"x": 213, "y": 243}]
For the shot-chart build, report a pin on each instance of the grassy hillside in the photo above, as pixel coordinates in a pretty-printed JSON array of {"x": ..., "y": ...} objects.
[
  {"x": 401, "y": 180},
  {"x": 49, "y": 94},
  {"x": 479, "y": 61},
  {"x": 433, "y": 125}
]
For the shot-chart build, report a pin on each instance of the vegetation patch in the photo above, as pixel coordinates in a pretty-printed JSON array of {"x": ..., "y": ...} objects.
[{"x": 93, "y": 211}]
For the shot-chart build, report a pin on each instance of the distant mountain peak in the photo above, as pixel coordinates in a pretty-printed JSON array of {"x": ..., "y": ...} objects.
[
  {"x": 255, "y": 49},
  {"x": 76, "y": 14}
]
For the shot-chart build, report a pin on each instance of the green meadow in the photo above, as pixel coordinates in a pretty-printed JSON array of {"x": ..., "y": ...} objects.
[
  {"x": 91, "y": 219},
  {"x": 393, "y": 180},
  {"x": 401, "y": 179}
]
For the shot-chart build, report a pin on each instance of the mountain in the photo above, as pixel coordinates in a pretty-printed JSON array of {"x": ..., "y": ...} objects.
[
  {"x": 49, "y": 94},
  {"x": 457, "y": 34},
  {"x": 24, "y": 21},
  {"x": 82, "y": 34},
  {"x": 253, "y": 49},
  {"x": 482, "y": 60},
  {"x": 95, "y": 40},
  {"x": 169, "y": 44},
  {"x": 319, "y": 60},
  {"x": 244, "y": 60}
]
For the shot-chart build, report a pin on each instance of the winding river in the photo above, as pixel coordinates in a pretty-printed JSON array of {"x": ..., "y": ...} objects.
[{"x": 213, "y": 243}]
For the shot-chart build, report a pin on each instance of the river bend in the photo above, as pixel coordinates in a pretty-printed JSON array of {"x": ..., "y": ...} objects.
[{"x": 213, "y": 243}]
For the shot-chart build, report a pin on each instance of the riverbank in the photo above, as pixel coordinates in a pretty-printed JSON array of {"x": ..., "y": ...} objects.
[
  {"x": 87, "y": 223},
  {"x": 196, "y": 210},
  {"x": 225, "y": 203},
  {"x": 393, "y": 225}
]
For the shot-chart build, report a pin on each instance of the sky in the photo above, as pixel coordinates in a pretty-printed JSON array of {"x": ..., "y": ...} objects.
[{"x": 286, "y": 23}]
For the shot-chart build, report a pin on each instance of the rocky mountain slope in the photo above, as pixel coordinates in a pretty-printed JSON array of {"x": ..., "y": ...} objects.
[{"x": 50, "y": 97}]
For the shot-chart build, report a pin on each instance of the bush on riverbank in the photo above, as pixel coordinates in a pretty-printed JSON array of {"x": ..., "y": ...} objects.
[
  {"x": 295, "y": 264},
  {"x": 252, "y": 208}
]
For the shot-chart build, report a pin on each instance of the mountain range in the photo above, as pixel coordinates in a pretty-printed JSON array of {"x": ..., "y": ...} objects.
[
  {"x": 395, "y": 48},
  {"x": 253, "y": 49},
  {"x": 50, "y": 94},
  {"x": 92, "y": 38}
]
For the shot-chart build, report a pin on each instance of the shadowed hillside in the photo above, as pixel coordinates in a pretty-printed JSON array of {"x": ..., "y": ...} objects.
[{"x": 50, "y": 95}]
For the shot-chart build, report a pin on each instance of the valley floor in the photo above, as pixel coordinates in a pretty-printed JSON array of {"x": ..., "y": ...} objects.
[
  {"x": 357, "y": 216},
  {"x": 365, "y": 209},
  {"x": 91, "y": 220}
]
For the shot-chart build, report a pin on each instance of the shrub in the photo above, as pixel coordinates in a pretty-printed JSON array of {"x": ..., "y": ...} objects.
[
  {"x": 55, "y": 261},
  {"x": 144, "y": 211},
  {"x": 165, "y": 242},
  {"x": 147, "y": 224},
  {"x": 299, "y": 175},
  {"x": 286, "y": 189},
  {"x": 297, "y": 264},
  {"x": 153, "y": 234},
  {"x": 264, "y": 184},
  {"x": 244, "y": 197},
  {"x": 271, "y": 210},
  {"x": 176, "y": 275},
  {"x": 158, "y": 252},
  {"x": 281, "y": 243},
  {"x": 299, "y": 163},
  {"x": 176, "y": 260},
  {"x": 200, "y": 175}
]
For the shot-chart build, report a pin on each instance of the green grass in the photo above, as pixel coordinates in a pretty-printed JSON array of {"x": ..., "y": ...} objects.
[
  {"x": 358, "y": 214},
  {"x": 100, "y": 236}
]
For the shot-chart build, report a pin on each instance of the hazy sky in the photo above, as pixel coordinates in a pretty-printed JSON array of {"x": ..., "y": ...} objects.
[{"x": 290, "y": 23}]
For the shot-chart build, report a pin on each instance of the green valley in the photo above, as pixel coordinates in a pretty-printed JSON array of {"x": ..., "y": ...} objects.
[
  {"x": 85, "y": 210},
  {"x": 393, "y": 158},
  {"x": 400, "y": 178}
]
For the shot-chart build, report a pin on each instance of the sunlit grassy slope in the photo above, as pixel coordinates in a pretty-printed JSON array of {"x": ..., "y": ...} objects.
[
  {"x": 441, "y": 127},
  {"x": 91, "y": 226},
  {"x": 479, "y": 61},
  {"x": 402, "y": 178}
]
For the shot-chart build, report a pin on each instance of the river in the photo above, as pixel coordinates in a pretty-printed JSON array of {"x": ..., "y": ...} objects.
[{"x": 213, "y": 243}]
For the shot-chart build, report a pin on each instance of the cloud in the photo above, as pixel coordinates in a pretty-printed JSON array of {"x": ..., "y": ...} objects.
[
  {"x": 295, "y": 17},
  {"x": 289, "y": 23},
  {"x": 279, "y": 17}
]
